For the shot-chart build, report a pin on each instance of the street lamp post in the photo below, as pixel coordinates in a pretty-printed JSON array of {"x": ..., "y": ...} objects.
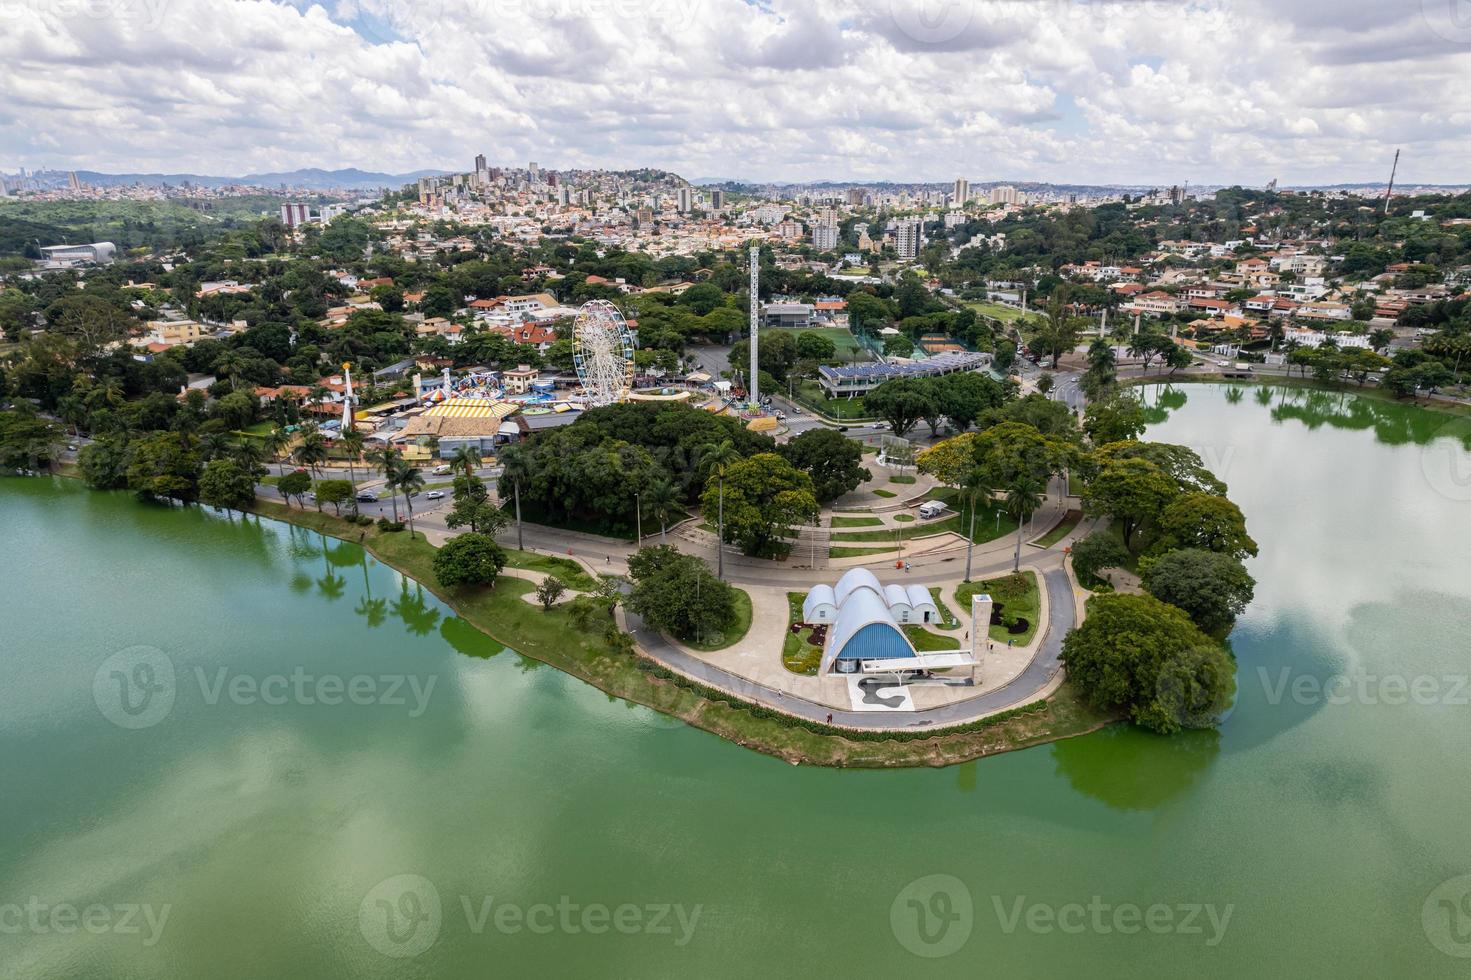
[
  {"x": 638, "y": 516},
  {"x": 520, "y": 541},
  {"x": 970, "y": 543}
]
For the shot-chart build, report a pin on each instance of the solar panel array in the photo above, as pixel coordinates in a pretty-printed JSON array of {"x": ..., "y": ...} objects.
[{"x": 940, "y": 364}]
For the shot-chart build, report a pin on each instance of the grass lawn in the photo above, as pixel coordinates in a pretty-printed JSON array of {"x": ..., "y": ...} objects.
[
  {"x": 926, "y": 642},
  {"x": 904, "y": 518},
  {"x": 552, "y": 638},
  {"x": 810, "y": 393},
  {"x": 1069, "y": 521},
  {"x": 946, "y": 616},
  {"x": 858, "y": 552},
  {"x": 570, "y": 572},
  {"x": 842, "y": 339},
  {"x": 797, "y": 655},
  {"x": 857, "y": 522},
  {"x": 738, "y": 629},
  {"x": 902, "y": 479},
  {"x": 1018, "y": 593},
  {"x": 258, "y": 431},
  {"x": 885, "y": 493},
  {"x": 987, "y": 528},
  {"x": 998, "y": 311}
]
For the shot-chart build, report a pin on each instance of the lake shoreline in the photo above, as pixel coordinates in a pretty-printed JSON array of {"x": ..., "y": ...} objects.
[{"x": 1060, "y": 716}]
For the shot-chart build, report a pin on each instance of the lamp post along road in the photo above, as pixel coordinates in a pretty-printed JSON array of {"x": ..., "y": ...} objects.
[{"x": 520, "y": 541}]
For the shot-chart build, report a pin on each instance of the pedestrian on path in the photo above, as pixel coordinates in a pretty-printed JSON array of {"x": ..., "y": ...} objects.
[{"x": 829, "y": 718}]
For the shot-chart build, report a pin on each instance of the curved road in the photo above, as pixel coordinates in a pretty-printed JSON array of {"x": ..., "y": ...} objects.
[{"x": 1025, "y": 688}]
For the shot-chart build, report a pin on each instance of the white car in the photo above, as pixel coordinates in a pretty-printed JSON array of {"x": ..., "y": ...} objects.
[{"x": 434, "y": 495}]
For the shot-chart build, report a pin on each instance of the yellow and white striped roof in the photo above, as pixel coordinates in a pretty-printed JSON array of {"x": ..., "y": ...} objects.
[{"x": 472, "y": 408}]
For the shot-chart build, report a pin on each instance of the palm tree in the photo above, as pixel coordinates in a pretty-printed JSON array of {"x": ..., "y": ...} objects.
[
  {"x": 1024, "y": 497},
  {"x": 214, "y": 445},
  {"x": 313, "y": 448},
  {"x": 466, "y": 460},
  {"x": 352, "y": 441},
  {"x": 516, "y": 467},
  {"x": 390, "y": 464},
  {"x": 410, "y": 480},
  {"x": 972, "y": 495},
  {"x": 715, "y": 457},
  {"x": 250, "y": 457},
  {"x": 662, "y": 499},
  {"x": 276, "y": 442},
  {"x": 232, "y": 364},
  {"x": 317, "y": 394}
]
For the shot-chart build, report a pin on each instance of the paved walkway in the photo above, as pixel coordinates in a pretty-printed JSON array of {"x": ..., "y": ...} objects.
[{"x": 1037, "y": 679}]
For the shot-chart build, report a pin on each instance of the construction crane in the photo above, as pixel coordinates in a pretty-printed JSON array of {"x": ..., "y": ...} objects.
[{"x": 1392, "y": 173}]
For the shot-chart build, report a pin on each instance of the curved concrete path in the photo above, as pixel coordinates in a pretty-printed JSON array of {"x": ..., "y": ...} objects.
[{"x": 1035, "y": 681}]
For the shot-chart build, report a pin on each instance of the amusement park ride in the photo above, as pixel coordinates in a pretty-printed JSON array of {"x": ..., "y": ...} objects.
[{"x": 602, "y": 353}]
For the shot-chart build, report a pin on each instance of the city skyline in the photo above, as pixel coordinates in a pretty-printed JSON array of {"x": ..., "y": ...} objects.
[{"x": 1053, "y": 91}]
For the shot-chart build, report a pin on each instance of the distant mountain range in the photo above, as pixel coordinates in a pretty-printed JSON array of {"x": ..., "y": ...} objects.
[{"x": 311, "y": 178}]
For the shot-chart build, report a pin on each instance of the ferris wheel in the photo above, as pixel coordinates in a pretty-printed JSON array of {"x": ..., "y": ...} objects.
[{"x": 602, "y": 352}]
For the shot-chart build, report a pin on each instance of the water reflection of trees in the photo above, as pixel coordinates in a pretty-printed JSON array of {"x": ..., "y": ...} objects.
[
  {"x": 468, "y": 640},
  {"x": 1391, "y": 423},
  {"x": 417, "y": 615},
  {"x": 1130, "y": 769},
  {"x": 1159, "y": 401}
]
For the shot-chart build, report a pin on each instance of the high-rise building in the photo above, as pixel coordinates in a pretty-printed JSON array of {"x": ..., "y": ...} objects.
[
  {"x": 295, "y": 215},
  {"x": 961, "y": 193},
  {"x": 1005, "y": 194},
  {"x": 685, "y": 200},
  {"x": 825, "y": 231},
  {"x": 908, "y": 238},
  {"x": 480, "y": 163},
  {"x": 717, "y": 200}
]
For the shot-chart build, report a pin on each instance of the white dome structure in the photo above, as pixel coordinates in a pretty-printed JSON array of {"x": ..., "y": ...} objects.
[
  {"x": 865, "y": 630},
  {"x": 926, "y": 610},
  {"x": 898, "y": 602},
  {"x": 857, "y": 578},
  {"x": 820, "y": 606}
]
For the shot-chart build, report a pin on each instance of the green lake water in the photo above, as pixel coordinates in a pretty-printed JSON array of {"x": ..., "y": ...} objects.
[{"x": 245, "y": 818}]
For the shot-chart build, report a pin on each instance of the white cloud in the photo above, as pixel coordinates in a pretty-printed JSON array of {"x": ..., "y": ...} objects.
[{"x": 1084, "y": 90}]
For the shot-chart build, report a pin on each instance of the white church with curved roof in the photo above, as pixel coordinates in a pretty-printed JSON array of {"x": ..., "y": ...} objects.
[{"x": 865, "y": 621}]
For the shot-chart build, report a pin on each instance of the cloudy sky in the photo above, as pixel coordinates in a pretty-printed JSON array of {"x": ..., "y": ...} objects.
[{"x": 1088, "y": 91}]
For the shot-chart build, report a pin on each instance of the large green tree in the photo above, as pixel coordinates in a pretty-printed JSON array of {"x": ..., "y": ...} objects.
[
  {"x": 1207, "y": 522},
  {"x": 1213, "y": 588},
  {"x": 765, "y": 497},
  {"x": 1132, "y": 492},
  {"x": 225, "y": 484},
  {"x": 468, "y": 560},
  {"x": 1142, "y": 656},
  {"x": 831, "y": 459},
  {"x": 677, "y": 594}
]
